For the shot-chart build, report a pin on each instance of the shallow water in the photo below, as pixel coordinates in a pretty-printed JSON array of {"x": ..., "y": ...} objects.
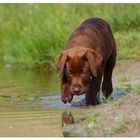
[{"x": 30, "y": 103}]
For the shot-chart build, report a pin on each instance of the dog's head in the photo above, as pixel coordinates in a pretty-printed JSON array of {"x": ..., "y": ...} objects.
[{"x": 78, "y": 65}]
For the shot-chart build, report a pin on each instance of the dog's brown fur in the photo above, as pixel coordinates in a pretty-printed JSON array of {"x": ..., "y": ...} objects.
[{"x": 89, "y": 55}]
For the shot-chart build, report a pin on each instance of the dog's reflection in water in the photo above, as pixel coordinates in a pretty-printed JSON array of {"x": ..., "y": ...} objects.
[{"x": 67, "y": 118}]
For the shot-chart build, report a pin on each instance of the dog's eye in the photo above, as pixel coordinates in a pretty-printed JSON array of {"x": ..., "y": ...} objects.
[{"x": 83, "y": 72}]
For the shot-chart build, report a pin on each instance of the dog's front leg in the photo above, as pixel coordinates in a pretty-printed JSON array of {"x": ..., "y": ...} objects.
[
  {"x": 92, "y": 96},
  {"x": 66, "y": 95}
]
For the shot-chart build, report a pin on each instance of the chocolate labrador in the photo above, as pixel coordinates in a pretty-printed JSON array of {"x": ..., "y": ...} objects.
[{"x": 87, "y": 61}]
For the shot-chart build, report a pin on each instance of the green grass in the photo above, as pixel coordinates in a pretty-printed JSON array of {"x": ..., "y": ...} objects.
[
  {"x": 128, "y": 44},
  {"x": 32, "y": 35}
]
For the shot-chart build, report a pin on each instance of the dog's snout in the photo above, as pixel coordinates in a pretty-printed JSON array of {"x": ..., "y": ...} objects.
[{"x": 76, "y": 88}]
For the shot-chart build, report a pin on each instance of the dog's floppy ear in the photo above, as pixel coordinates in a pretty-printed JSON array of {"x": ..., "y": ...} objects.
[
  {"x": 94, "y": 60},
  {"x": 60, "y": 63}
]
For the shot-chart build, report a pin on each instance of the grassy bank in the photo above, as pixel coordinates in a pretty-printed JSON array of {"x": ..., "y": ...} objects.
[
  {"x": 116, "y": 118},
  {"x": 32, "y": 35},
  {"x": 124, "y": 122}
]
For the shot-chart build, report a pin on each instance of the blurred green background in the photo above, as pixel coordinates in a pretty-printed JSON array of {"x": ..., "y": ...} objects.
[{"x": 32, "y": 35}]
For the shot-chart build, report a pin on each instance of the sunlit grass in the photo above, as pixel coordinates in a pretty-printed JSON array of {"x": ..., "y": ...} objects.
[
  {"x": 128, "y": 44},
  {"x": 32, "y": 35}
]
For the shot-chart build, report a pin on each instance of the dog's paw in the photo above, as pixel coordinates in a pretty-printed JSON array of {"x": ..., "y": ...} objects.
[{"x": 66, "y": 98}]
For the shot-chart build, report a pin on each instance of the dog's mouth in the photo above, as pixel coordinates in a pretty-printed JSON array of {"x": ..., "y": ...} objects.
[{"x": 80, "y": 93}]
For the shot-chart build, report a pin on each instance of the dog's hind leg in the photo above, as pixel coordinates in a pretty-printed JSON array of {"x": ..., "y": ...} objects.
[{"x": 107, "y": 87}]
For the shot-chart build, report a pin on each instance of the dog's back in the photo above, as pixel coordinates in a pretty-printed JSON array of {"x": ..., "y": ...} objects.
[
  {"x": 96, "y": 23},
  {"x": 94, "y": 33}
]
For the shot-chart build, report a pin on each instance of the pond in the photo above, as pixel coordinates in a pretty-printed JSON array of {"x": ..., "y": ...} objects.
[{"x": 30, "y": 103}]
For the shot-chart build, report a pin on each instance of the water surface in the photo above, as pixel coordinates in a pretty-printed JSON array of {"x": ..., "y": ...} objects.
[{"x": 30, "y": 103}]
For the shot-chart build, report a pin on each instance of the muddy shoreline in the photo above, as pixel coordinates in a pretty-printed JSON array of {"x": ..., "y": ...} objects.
[
  {"x": 119, "y": 117},
  {"x": 41, "y": 116}
]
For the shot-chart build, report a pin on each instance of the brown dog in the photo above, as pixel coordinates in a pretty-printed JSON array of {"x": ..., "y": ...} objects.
[{"x": 89, "y": 55}]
